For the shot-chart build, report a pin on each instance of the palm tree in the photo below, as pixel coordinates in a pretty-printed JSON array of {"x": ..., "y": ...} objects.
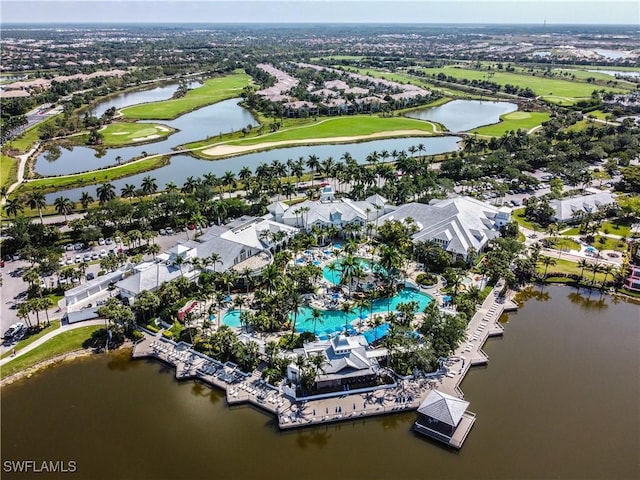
[
  {"x": 316, "y": 316},
  {"x": 128, "y": 191},
  {"x": 583, "y": 264},
  {"x": 347, "y": 308},
  {"x": 13, "y": 207},
  {"x": 607, "y": 270},
  {"x": 595, "y": 268},
  {"x": 149, "y": 185},
  {"x": 85, "y": 200},
  {"x": 63, "y": 206},
  {"x": 215, "y": 258},
  {"x": 547, "y": 261},
  {"x": 313, "y": 163},
  {"x": 294, "y": 302},
  {"x": 106, "y": 192},
  {"x": 36, "y": 200}
]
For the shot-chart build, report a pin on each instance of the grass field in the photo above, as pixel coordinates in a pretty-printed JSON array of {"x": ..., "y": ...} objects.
[
  {"x": 8, "y": 170},
  {"x": 518, "y": 216},
  {"x": 24, "y": 143},
  {"x": 64, "y": 343},
  {"x": 126, "y": 133},
  {"x": 52, "y": 184},
  {"x": 564, "y": 244},
  {"x": 213, "y": 90},
  {"x": 514, "y": 121},
  {"x": 555, "y": 90},
  {"x": 567, "y": 266},
  {"x": 55, "y": 324},
  {"x": 607, "y": 243},
  {"x": 335, "y": 127}
]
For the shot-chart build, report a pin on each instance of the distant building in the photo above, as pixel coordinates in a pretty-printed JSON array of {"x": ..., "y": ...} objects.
[
  {"x": 458, "y": 224},
  {"x": 570, "y": 209}
]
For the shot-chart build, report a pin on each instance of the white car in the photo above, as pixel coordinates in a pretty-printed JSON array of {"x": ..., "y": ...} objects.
[
  {"x": 78, "y": 259},
  {"x": 108, "y": 241},
  {"x": 169, "y": 230},
  {"x": 103, "y": 253},
  {"x": 95, "y": 256},
  {"x": 69, "y": 261},
  {"x": 101, "y": 241},
  {"x": 87, "y": 257}
]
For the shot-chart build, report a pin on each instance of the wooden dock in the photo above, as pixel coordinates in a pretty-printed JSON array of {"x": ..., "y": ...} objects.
[{"x": 408, "y": 394}]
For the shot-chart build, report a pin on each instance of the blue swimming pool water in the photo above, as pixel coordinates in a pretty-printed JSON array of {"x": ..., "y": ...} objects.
[
  {"x": 334, "y": 276},
  {"x": 335, "y": 319},
  {"x": 232, "y": 318}
]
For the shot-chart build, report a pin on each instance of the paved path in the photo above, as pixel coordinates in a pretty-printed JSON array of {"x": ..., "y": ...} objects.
[{"x": 49, "y": 336}]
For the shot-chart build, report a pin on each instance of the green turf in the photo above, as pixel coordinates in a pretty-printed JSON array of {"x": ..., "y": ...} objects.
[
  {"x": 126, "y": 133},
  {"x": 564, "y": 244},
  {"x": 55, "y": 324},
  {"x": 52, "y": 184},
  {"x": 8, "y": 170},
  {"x": 607, "y": 243},
  {"x": 514, "y": 121},
  {"x": 334, "y": 127},
  {"x": 518, "y": 216},
  {"x": 616, "y": 229},
  {"x": 25, "y": 142},
  {"x": 569, "y": 267},
  {"x": 554, "y": 89},
  {"x": 213, "y": 90},
  {"x": 63, "y": 343}
]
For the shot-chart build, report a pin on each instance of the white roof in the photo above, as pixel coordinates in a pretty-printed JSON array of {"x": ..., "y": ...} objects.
[
  {"x": 566, "y": 208},
  {"x": 443, "y": 407}
]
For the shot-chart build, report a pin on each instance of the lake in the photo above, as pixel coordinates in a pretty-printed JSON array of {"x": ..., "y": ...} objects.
[
  {"x": 559, "y": 399},
  {"x": 612, "y": 54},
  {"x": 220, "y": 117},
  {"x": 464, "y": 115},
  {"x": 183, "y": 166},
  {"x": 617, "y": 73}
]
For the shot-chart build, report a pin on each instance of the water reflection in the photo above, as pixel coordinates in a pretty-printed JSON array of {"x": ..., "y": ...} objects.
[
  {"x": 463, "y": 115},
  {"x": 318, "y": 437},
  {"x": 589, "y": 299}
]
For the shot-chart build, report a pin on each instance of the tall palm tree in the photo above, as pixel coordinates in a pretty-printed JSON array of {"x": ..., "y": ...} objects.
[
  {"x": 583, "y": 264},
  {"x": 294, "y": 302},
  {"x": 63, "y": 206},
  {"x": 595, "y": 268},
  {"x": 607, "y": 270},
  {"x": 317, "y": 317},
  {"x": 347, "y": 308},
  {"x": 313, "y": 164},
  {"x": 547, "y": 261},
  {"x": 106, "y": 192},
  {"x": 215, "y": 258},
  {"x": 37, "y": 200}
]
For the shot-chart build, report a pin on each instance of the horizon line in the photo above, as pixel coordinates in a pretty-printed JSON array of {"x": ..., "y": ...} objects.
[{"x": 93, "y": 22}]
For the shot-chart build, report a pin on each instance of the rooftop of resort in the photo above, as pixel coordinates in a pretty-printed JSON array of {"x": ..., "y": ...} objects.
[{"x": 569, "y": 208}]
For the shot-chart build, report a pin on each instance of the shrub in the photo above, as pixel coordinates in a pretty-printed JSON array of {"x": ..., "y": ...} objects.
[{"x": 427, "y": 279}]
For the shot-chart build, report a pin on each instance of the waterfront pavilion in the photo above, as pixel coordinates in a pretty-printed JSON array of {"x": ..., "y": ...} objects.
[{"x": 444, "y": 418}]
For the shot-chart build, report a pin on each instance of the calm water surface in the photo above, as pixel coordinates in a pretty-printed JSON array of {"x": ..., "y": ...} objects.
[
  {"x": 183, "y": 166},
  {"x": 615, "y": 73},
  {"x": 463, "y": 115},
  {"x": 218, "y": 118},
  {"x": 559, "y": 400}
]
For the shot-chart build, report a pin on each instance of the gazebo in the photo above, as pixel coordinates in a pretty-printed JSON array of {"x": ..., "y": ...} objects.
[{"x": 444, "y": 418}]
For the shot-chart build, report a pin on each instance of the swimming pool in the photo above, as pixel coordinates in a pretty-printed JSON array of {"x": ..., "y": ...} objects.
[
  {"x": 334, "y": 276},
  {"x": 232, "y": 318},
  {"x": 335, "y": 319}
]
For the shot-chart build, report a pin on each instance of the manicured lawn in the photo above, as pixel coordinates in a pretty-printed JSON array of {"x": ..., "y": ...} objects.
[
  {"x": 334, "y": 127},
  {"x": 560, "y": 90},
  {"x": 598, "y": 114},
  {"x": 8, "y": 170},
  {"x": 64, "y": 343},
  {"x": 616, "y": 229},
  {"x": 514, "y": 121},
  {"x": 52, "y": 184},
  {"x": 571, "y": 231},
  {"x": 29, "y": 137},
  {"x": 214, "y": 90},
  {"x": 126, "y": 133},
  {"x": 518, "y": 216},
  {"x": 564, "y": 244},
  {"x": 55, "y": 324},
  {"x": 606, "y": 243},
  {"x": 567, "y": 266}
]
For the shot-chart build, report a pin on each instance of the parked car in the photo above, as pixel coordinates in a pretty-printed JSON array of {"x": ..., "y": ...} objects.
[
  {"x": 117, "y": 239},
  {"x": 95, "y": 255},
  {"x": 14, "y": 330},
  {"x": 169, "y": 230},
  {"x": 78, "y": 259},
  {"x": 86, "y": 257},
  {"x": 16, "y": 256},
  {"x": 108, "y": 241},
  {"x": 101, "y": 241},
  {"x": 79, "y": 246},
  {"x": 162, "y": 231},
  {"x": 69, "y": 261},
  {"x": 69, "y": 247},
  {"x": 90, "y": 276},
  {"x": 103, "y": 253}
]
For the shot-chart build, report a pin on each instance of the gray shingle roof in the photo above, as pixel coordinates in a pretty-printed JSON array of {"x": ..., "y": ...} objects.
[{"x": 443, "y": 407}]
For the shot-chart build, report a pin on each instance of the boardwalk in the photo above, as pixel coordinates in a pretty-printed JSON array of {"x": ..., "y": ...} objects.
[{"x": 406, "y": 394}]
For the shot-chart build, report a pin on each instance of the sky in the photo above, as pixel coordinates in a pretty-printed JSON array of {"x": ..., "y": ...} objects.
[{"x": 322, "y": 11}]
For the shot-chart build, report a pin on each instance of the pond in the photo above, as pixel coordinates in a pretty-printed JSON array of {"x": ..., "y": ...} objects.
[
  {"x": 464, "y": 115},
  {"x": 127, "y": 99},
  {"x": 618, "y": 73},
  {"x": 183, "y": 166},
  {"x": 224, "y": 116},
  {"x": 559, "y": 399},
  {"x": 612, "y": 54}
]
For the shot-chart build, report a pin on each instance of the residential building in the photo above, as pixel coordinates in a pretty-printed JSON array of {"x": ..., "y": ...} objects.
[{"x": 568, "y": 210}]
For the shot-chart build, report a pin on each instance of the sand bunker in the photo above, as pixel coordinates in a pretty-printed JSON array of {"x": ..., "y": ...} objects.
[
  {"x": 148, "y": 137},
  {"x": 228, "y": 150}
]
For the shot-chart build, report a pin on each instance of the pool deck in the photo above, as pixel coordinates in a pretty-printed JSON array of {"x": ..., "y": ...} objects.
[{"x": 406, "y": 395}]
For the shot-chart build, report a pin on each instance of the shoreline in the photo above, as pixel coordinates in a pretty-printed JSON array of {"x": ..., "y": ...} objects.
[{"x": 54, "y": 362}]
